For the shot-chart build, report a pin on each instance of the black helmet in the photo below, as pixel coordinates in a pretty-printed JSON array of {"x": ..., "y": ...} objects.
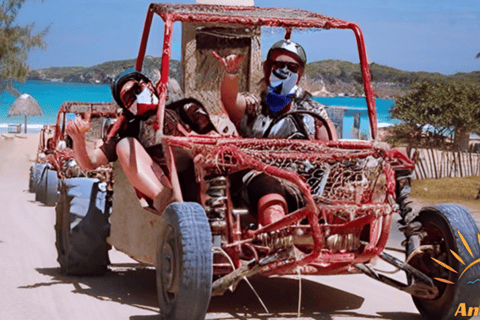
[
  {"x": 291, "y": 47},
  {"x": 125, "y": 76}
]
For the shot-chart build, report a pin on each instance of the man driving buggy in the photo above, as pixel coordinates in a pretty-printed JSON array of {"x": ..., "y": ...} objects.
[
  {"x": 131, "y": 140},
  {"x": 255, "y": 116}
]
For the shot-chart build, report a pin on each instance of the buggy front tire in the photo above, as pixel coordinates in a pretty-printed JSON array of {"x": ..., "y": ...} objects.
[
  {"x": 82, "y": 227},
  {"x": 184, "y": 263},
  {"x": 444, "y": 226}
]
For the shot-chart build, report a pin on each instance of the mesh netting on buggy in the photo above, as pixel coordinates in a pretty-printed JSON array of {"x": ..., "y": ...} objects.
[
  {"x": 333, "y": 174},
  {"x": 255, "y": 16}
]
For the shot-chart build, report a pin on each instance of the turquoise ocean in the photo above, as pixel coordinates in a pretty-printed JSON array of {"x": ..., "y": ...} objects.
[{"x": 51, "y": 95}]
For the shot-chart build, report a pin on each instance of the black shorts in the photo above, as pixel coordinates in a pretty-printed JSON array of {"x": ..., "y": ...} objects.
[{"x": 254, "y": 185}]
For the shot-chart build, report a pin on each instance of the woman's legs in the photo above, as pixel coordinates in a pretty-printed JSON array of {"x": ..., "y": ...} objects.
[
  {"x": 267, "y": 195},
  {"x": 139, "y": 169}
]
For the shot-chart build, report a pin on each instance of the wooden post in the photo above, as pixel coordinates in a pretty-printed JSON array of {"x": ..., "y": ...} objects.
[
  {"x": 440, "y": 165},
  {"x": 422, "y": 166},
  {"x": 475, "y": 163},
  {"x": 418, "y": 175},
  {"x": 459, "y": 154},
  {"x": 428, "y": 163},
  {"x": 452, "y": 165},
  {"x": 25, "y": 124},
  {"x": 434, "y": 163},
  {"x": 415, "y": 154},
  {"x": 470, "y": 163},
  {"x": 478, "y": 163}
]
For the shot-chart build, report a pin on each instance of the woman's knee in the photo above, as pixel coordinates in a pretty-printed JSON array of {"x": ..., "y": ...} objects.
[
  {"x": 124, "y": 146},
  {"x": 130, "y": 149}
]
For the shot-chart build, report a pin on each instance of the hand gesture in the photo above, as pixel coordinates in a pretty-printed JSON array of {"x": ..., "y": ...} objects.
[
  {"x": 80, "y": 125},
  {"x": 230, "y": 63}
]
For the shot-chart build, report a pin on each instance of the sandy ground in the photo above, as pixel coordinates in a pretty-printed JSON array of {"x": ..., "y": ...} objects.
[{"x": 31, "y": 286}]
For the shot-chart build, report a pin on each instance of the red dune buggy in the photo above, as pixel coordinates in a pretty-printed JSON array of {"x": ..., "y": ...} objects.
[
  {"x": 205, "y": 245},
  {"x": 54, "y": 159}
]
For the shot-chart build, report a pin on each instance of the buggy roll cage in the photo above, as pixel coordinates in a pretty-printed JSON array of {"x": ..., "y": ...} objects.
[{"x": 251, "y": 17}]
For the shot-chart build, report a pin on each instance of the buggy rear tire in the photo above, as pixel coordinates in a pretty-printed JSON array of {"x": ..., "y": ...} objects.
[
  {"x": 35, "y": 174},
  {"x": 47, "y": 188},
  {"x": 82, "y": 227},
  {"x": 51, "y": 189},
  {"x": 41, "y": 184},
  {"x": 442, "y": 224},
  {"x": 184, "y": 263},
  {"x": 32, "y": 178}
]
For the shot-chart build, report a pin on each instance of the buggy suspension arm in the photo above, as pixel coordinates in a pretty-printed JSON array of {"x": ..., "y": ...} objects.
[
  {"x": 231, "y": 280},
  {"x": 424, "y": 289}
]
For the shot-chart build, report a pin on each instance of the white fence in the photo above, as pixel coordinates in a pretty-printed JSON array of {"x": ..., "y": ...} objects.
[{"x": 435, "y": 164}]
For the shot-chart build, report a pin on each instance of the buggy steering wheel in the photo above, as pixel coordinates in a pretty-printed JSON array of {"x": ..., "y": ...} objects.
[{"x": 300, "y": 124}]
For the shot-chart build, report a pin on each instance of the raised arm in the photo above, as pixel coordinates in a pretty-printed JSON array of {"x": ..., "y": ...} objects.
[
  {"x": 87, "y": 158},
  {"x": 233, "y": 103}
]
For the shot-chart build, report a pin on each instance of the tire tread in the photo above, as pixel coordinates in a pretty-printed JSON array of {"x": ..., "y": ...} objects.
[
  {"x": 457, "y": 218},
  {"x": 196, "y": 263}
]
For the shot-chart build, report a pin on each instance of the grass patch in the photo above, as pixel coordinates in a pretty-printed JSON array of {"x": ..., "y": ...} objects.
[{"x": 447, "y": 190}]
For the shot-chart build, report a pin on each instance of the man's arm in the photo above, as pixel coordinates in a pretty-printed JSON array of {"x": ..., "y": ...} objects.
[{"x": 233, "y": 103}]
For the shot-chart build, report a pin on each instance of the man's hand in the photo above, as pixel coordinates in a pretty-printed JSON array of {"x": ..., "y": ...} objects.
[
  {"x": 77, "y": 128},
  {"x": 230, "y": 63}
]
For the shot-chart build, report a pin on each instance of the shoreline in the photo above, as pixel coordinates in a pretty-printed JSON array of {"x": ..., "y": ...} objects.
[{"x": 5, "y": 128}]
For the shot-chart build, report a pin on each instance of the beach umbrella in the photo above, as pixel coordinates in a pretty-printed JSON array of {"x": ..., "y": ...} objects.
[{"x": 25, "y": 105}]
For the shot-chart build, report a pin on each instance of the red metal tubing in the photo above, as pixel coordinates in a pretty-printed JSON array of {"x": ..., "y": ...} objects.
[
  {"x": 170, "y": 158},
  {"x": 369, "y": 93},
  {"x": 382, "y": 242},
  {"x": 162, "y": 84},
  {"x": 143, "y": 43}
]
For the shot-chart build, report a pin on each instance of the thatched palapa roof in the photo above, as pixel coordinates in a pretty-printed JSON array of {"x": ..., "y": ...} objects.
[{"x": 25, "y": 105}]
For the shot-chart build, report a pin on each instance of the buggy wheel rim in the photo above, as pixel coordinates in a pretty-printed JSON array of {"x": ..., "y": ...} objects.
[{"x": 169, "y": 265}]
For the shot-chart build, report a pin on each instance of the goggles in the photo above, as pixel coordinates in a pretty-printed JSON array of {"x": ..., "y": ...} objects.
[{"x": 293, "y": 67}]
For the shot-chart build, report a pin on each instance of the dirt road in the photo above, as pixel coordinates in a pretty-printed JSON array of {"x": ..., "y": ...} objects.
[{"x": 31, "y": 286}]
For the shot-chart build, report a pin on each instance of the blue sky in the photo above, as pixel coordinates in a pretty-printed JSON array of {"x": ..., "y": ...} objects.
[{"x": 414, "y": 35}]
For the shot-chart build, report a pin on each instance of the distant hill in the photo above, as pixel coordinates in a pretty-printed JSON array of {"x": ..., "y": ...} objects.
[
  {"x": 323, "y": 78},
  {"x": 337, "y": 76},
  {"x": 104, "y": 73}
]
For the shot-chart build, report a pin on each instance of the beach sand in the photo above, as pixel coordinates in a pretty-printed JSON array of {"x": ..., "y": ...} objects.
[{"x": 31, "y": 286}]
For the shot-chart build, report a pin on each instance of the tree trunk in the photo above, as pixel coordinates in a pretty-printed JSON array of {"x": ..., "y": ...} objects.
[{"x": 461, "y": 140}]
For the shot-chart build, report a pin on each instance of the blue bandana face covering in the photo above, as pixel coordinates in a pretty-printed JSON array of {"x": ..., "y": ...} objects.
[
  {"x": 282, "y": 88},
  {"x": 277, "y": 101}
]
